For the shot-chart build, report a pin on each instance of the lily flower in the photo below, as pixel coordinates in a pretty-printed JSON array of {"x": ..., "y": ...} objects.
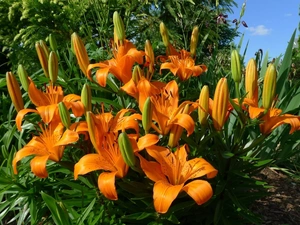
[
  {"x": 120, "y": 65},
  {"x": 47, "y": 103},
  {"x": 183, "y": 66},
  {"x": 171, "y": 173},
  {"x": 166, "y": 111},
  {"x": 48, "y": 146},
  {"x": 109, "y": 159}
]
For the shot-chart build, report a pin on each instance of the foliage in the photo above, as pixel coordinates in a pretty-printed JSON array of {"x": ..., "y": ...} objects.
[{"x": 113, "y": 103}]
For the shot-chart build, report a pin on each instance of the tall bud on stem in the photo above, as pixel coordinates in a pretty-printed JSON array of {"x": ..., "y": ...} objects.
[
  {"x": 53, "y": 43},
  {"x": 81, "y": 54},
  {"x": 64, "y": 115},
  {"x": 251, "y": 78},
  {"x": 220, "y": 104},
  {"x": 150, "y": 59},
  {"x": 53, "y": 66},
  {"x": 236, "y": 70},
  {"x": 119, "y": 27},
  {"x": 164, "y": 34},
  {"x": 203, "y": 105},
  {"x": 194, "y": 41},
  {"x": 126, "y": 150},
  {"x": 147, "y": 115},
  {"x": 43, "y": 53},
  {"x": 269, "y": 87},
  {"x": 23, "y": 76},
  {"x": 86, "y": 97},
  {"x": 14, "y": 91}
]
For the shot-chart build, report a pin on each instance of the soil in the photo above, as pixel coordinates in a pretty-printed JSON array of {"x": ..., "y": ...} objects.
[{"x": 282, "y": 206}]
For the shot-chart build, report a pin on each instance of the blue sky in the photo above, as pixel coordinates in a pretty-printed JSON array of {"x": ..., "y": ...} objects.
[{"x": 271, "y": 24}]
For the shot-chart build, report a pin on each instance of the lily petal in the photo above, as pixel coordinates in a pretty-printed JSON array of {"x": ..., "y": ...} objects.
[
  {"x": 152, "y": 169},
  {"x": 38, "y": 166},
  {"x": 164, "y": 194},
  {"x": 185, "y": 121},
  {"x": 21, "y": 115},
  {"x": 106, "y": 184},
  {"x": 199, "y": 190},
  {"x": 200, "y": 167},
  {"x": 89, "y": 163}
]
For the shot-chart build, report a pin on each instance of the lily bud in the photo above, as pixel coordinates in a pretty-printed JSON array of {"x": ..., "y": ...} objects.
[
  {"x": 194, "y": 41},
  {"x": 119, "y": 27},
  {"x": 269, "y": 87},
  {"x": 86, "y": 97},
  {"x": 176, "y": 130},
  {"x": 43, "y": 56},
  {"x": 126, "y": 150},
  {"x": 53, "y": 66},
  {"x": 91, "y": 128},
  {"x": 251, "y": 77},
  {"x": 64, "y": 115},
  {"x": 236, "y": 66},
  {"x": 137, "y": 73},
  {"x": 45, "y": 47},
  {"x": 81, "y": 54},
  {"x": 150, "y": 59},
  {"x": 23, "y": 76},
  {"x": 203, "y": 105},
  {"x": 14, "y": 91},
  {"x": 164, "y": 34},
  {"x": 53, "y": 43},
  {"x": 220, "y": 104},
  {"x": 147, "y": 115}
]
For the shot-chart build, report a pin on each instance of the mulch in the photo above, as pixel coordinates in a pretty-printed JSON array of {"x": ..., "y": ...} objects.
[{"x": 282, "y": 206}]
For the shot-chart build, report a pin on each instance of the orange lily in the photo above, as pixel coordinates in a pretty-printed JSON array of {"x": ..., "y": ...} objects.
[
  {"x": 273, "y": 118},
  {"x": 47, "y": 103},
  {"x": 183, "y": 66},
  {"x": 171, "y": 173},
  {"x": 166, "y": 111},
  {"x": 102, "y": 124},
  {"x": 109, "y": 159},
  {"x": 120, "y": 65},
  {"x": 48, "y": 146}
]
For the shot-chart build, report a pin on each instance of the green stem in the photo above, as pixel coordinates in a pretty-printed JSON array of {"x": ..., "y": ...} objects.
[{"x": 237, "y": 90}]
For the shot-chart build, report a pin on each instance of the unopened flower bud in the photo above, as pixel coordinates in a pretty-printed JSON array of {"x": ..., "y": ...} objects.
[
  {"x": 220, "y": 104},
  {"x": 236, "y": 66},
  {"x": 23, "y": 76},
  {"x": 81, "y": 54},
  {"x": 64, "y": 115},
  {"x": 164, "y": 34},
  {"x": 244, "y": 24},
  {"x": 203, "y": 105},
  {"x": 43, "y": 56},
  {"x": 91, "y": 128},
  {"x": 126, "y": 149},
  {"x": 251, "y": 77},
  {"x": 147, "y": 115},
  {"x": 119, "y": 27},
  {"x": 194, "y": 41},
  {"x": 86, "y": 97},
  {"x": 14, "y": 91},
  {"x": 269, "y": 87},
  {"x": 150, "y": 59},
  {"x": 53, "y": 43},
  {"x": 53, "y": 66},
  {"x": 45, "y": 47},
  {"x": 137, "y": 73}
]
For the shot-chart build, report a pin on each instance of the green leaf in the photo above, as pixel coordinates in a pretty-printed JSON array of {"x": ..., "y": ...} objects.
[
  {"x": 282, "y": 80},
  {"x": 86, "y": 212},
  {"x": 59, "y": 213}
]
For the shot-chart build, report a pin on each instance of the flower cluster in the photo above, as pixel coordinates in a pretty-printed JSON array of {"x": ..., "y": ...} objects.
[{"x": 119, "y": 143}]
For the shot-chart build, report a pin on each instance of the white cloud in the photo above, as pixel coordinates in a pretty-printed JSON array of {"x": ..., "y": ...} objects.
[
  {"x": 260, "y": 30},
  {"x": 288, "y": 14}
]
